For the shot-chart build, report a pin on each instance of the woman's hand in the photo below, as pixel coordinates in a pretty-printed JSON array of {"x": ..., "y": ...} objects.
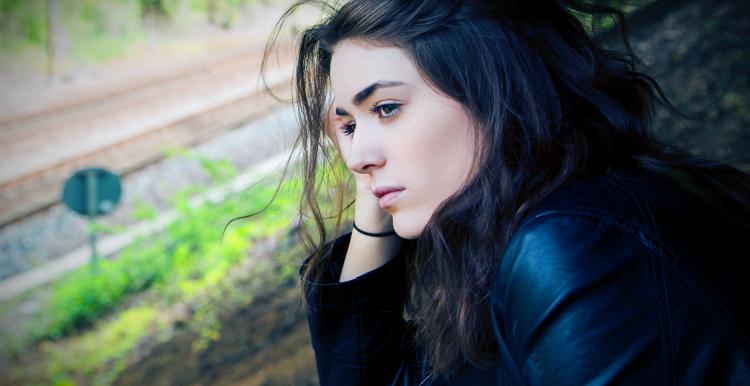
[{"x": 368, "y": 215}]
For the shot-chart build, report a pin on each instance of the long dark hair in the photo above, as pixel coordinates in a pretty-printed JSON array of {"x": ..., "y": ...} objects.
[{"x": 552, "y": 106}]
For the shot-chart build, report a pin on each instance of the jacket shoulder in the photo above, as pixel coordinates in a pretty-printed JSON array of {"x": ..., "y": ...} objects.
[
  {"x": 589, "y": 283},
  {"x": 567, "y": 302},
  {"x": 635, "y": 198}
]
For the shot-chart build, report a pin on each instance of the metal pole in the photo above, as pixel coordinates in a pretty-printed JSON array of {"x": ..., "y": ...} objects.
[{"x": 91, "y": 200}]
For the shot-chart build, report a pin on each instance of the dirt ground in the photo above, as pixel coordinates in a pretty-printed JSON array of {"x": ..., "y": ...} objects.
[{"x": 266, "y": 344}]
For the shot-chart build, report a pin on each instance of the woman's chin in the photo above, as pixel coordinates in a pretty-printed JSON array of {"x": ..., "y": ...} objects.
[{"x": 406, "y": 228}]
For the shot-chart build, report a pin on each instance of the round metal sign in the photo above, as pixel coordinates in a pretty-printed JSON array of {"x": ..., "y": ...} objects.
[{"x": 92, "y": 191}]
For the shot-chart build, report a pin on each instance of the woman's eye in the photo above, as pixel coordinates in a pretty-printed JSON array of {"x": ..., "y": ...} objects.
[
  {"x": 348, "y": 128},
  {"x": 387, "y": 110}
]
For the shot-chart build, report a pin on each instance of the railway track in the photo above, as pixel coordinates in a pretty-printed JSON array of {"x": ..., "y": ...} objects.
[{"x": 129, "y": 129}]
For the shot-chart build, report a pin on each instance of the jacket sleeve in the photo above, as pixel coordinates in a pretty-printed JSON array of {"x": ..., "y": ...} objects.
[
  {"x": 357, "y": 329},
  {"x": 574, "y": 302}
]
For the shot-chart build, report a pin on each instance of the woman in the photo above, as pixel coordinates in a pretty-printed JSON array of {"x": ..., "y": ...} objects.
[{"x": 515, "y": 222}]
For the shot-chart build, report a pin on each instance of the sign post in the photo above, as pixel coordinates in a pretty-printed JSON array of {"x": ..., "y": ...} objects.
[{"x": 92, "y": 192}]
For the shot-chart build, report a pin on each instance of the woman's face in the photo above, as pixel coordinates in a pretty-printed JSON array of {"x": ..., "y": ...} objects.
[{"x": 391, "y": 125}]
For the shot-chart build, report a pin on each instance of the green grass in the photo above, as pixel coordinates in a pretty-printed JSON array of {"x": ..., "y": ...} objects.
[
  {"x": 183, "y": 261},
  {"x": 101, "y": 354},
  {"x": 91, "y": 325}
]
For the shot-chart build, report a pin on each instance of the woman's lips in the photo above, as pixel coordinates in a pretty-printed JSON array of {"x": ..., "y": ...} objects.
[{"x": 387, "y": 199}]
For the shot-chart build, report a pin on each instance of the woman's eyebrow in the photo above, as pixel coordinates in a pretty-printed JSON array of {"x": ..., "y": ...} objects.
[{"x": 366, "y": 92}]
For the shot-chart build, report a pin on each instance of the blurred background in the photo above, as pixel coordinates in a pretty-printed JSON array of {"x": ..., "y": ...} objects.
[{"x": 163, "y": 97}]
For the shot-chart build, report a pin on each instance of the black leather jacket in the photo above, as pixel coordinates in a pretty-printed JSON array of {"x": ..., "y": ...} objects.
[{"x": 616, "y": 279}]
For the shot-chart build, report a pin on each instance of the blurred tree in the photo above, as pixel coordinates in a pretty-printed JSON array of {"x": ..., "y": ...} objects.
[
  {"x": 219, "y": 13},
  {"x": 153, "y": 8},
  {"x": 53, "y": 25}
]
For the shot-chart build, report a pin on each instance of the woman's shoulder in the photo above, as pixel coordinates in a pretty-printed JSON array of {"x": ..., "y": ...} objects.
[
  {"x": 626, "y": 194},
  {"x": 658, "y": 207},
  {"x": 618, "y": 263},
  {"x": 643, "y": 215}
]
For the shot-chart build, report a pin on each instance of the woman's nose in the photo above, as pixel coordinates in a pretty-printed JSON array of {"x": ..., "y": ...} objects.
[{"x": 365, "y": 152}]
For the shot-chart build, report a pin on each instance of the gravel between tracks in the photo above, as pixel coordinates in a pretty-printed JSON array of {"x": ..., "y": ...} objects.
[{"x": 50, "y": 234}]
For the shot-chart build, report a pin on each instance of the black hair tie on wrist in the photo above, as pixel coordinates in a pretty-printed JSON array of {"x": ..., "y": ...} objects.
[{"x": 373, "y": 234}]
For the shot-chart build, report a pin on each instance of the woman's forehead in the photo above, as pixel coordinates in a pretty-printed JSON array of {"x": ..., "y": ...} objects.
[{"x": 356, "y": 66}]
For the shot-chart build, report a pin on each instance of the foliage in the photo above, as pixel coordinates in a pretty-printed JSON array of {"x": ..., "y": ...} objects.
[
  {"x": 603, "y": 23},
  {"x": 181, "y": 262},
  {"x": 93, "y": 31},
  {"x": 102, "y": 349},
  {"x": 188, "y": 263}
]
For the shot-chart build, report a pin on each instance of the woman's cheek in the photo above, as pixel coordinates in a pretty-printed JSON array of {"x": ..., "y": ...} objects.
[{"x": 344, "y": 147}]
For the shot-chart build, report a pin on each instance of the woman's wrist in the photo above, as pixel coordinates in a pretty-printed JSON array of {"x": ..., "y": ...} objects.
[
  {"x": 373, "y": 234},
  {"x": 366, "y": 253}
]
